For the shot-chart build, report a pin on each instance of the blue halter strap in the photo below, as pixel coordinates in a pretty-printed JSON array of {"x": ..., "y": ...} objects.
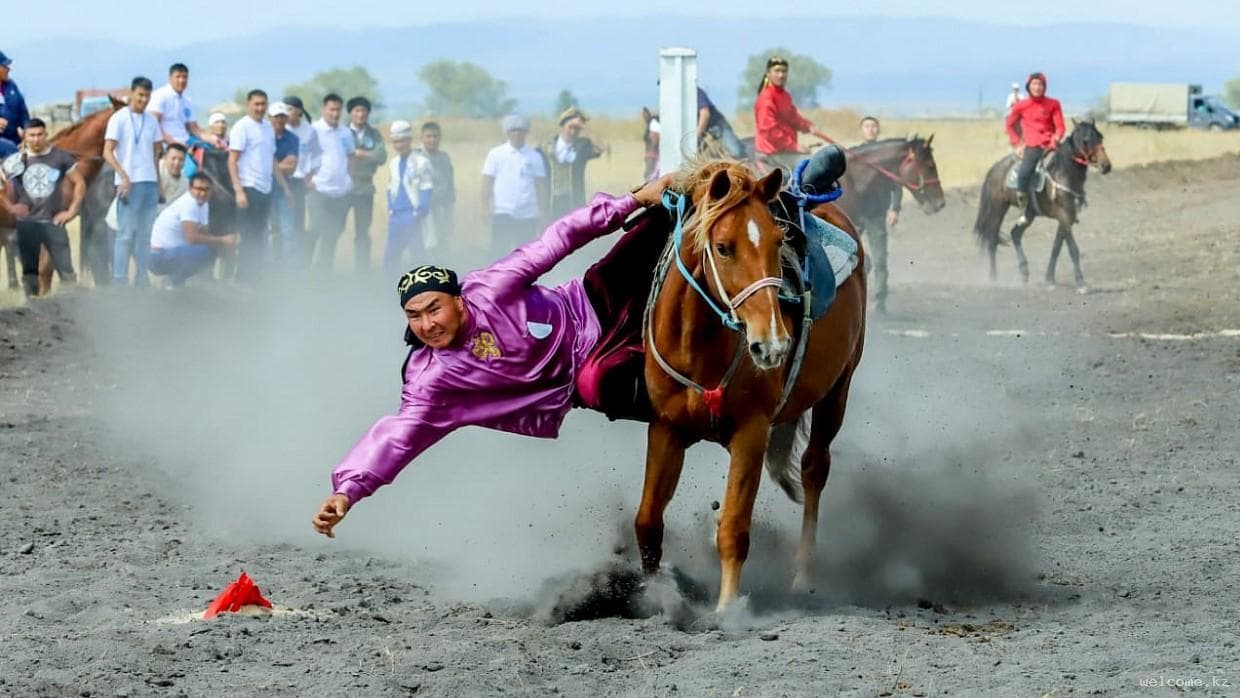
[{"x": 675, "y": 204}]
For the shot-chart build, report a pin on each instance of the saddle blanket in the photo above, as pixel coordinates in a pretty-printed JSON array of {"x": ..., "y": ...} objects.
[
  {"x": 831, "y": 260},
  {"x": 1039, "y": 176}
]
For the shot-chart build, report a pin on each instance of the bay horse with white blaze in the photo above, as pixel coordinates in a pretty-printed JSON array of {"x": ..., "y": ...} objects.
[
  {"x": 721, "y": 375},
  {"x": 1060, "y": 199}
]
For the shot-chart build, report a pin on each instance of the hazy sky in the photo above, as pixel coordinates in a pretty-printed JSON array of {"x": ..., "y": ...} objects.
[{"x": 126, "y": 20}]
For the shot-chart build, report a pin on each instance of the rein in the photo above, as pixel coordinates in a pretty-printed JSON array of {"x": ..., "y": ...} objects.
[{"x": 893, "y": 176}]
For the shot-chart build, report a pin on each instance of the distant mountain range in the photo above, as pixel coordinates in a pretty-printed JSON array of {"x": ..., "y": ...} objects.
[{"x": 902, "y": 67}]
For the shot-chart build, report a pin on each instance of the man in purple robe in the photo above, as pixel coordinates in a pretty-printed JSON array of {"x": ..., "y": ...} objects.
[{"x": 497, "y": 350}]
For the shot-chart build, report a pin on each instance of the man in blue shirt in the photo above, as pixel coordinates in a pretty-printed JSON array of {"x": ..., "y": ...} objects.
[
  {"x": 13, "y": 113},
  {"x": 283, "y": 218},
  {"x": 712, "y": 121}
]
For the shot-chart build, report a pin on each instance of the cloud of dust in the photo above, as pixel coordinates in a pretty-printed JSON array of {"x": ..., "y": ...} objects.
[{"x": 245, "y": 401}]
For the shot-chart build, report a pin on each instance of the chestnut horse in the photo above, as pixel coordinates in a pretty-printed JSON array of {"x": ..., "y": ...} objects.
[
  {"x": 715, "y": 321},
  {"x": 84, "y": 140}
]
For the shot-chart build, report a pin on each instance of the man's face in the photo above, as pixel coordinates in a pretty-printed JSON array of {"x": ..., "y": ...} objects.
[
  {"x": 36, "y": 139},
  {"x": 279, "y": 122},
  {"x": 517, "y": 138},
  {"x": 435, "y": 318},
  {"x": 778, "y": 75},
  {"x": 358, "y": 115},
  {"x": 257, "y": 107},
  {"x": 200, "y": 190},
  {"x": 294, "y": 115},
  {"x": 430, "y": 140},
  {"x": 403, "y": 145},
  {"x": 572, "y": 129},
  {"x": 1037, "y": 88},
  {"x": 175, "y": 160},
  {"x": 219, "y": 128},
  {"x": 139, "y": 97},
  {"x": 331, "y": 113},
  {"x": 179, "y": 80},
  {"x": 4, "y": 73},
  {"x": 869, "y": 130}
]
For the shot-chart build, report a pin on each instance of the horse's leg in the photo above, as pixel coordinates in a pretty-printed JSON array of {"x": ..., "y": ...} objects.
[
  {"x": 1050, "y": 268},
  {"x": 991, "y": 245},
  {"x": 8, "y": 238},
  {"x": 45, "y": 271},
  {"x": 1075, "y": 253},
  {"x": 827, "y": 418},
  {"x": 665, "y": 456},
  {"x": 1018, "y": 233},
  {"x": 748, "y": 446}
]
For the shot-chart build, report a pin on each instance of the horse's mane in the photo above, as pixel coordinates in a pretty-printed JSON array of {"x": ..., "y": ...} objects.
[
  {"x": 696, "y": 173},
  {"x": 884, "y": 143}
]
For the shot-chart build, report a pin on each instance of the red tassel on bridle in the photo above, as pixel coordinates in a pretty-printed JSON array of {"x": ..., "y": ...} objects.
[{"x": 714, "y": 401}]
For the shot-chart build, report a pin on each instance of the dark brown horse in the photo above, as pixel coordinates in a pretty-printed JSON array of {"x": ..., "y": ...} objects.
[
  {"x": 877, "y": 170},
  {"x": 1060, "y": 199},
  {"x": 730, "y": 383},
  {"x": 85, "y": 140}
]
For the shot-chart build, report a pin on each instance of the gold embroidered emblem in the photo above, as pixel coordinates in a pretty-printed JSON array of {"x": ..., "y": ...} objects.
[
  {"x": 421, "y": 275},
  {"x": 485, "y": 347}
]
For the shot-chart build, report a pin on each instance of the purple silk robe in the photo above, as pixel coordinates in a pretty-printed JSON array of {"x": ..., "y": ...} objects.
[{"x": 514, "y": 365}]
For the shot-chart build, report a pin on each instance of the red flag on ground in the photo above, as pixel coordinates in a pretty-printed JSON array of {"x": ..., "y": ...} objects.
[{"x": 242, "y": 592}]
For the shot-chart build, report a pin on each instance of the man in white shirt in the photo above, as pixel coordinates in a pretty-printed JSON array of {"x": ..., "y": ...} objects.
[
  {"x": 170, "y": 106},
  {"x": 408, "y": 200},
  {"x": 251, "y": 166},
  {"x": 327, "y": 203},
  {"x": 514, "y": 183},
  {"x": 131, "y": 146},
  {"x": 308, "y": 154},
  {"x": 1013, "y": 97},
  {"x": 181, "y": 243}
]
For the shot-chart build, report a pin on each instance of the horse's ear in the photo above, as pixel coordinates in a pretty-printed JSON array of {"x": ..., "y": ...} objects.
[
  {"x": 1075, "y": 123},
  {"x": 116, "y": 103},
  {"x": 720, "y": 184},
  {"x": 929, "y": 140},
  {"x": 645, "y": 114},
  {"x": 771, "y": 185}
]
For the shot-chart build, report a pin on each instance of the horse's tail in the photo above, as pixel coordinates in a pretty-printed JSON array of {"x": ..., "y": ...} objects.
[
  {"x": 985, "y": 230},
  {"x": 786, "y": 443}
]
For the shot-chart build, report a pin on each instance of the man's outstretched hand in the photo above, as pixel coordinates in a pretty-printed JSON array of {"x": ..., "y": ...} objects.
[
  {"x": 651, "y": 193},
  {"x": 330, "y": 514}
]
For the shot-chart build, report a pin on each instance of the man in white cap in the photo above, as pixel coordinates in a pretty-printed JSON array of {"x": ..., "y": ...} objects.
[
  {"x": 217, "y": 125},
  {"x": 408, "y": 200},
  {"x": 514, "y": 182},
  {"x": 283, "y": 219},
  {"x": 1013, "y": 97}
]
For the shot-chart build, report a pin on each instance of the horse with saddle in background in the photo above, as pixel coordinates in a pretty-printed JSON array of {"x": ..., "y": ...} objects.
[
  {"x": 749, "y": 328},
  {"x": 222, "y": 219},
  {"x": 85, "y": 141},
  {"x": 1060, "y": 194}
]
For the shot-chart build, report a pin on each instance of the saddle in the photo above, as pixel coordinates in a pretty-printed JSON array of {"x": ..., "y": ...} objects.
[{"x": 1039, "y": 174}]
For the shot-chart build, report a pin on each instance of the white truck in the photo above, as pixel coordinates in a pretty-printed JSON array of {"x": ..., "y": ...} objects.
[{"x": 1167, "y": 105}]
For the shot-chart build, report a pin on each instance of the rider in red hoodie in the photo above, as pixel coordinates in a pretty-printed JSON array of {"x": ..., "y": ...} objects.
[
  {"x": 1041, "y": 128},
  {"x": 776, "y": 119}
]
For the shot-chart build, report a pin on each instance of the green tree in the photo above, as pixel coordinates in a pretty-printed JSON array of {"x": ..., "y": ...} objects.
[
  {"x": 1231, "y": 92},
  {"x": 805, "y": 77},
  {"x": 346, "y": 82},
  {"x": 565, "y": 100},
  {"x": 464, "y": 89}
]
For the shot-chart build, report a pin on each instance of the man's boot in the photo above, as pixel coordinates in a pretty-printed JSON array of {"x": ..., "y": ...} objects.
[
  {"x": 825, "y": 168},
  {"x": 1022, "y": 204}
]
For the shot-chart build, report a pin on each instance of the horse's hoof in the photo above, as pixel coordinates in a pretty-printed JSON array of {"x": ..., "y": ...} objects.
[
  {"x": 1082, "y": 289},
  {"x": 1050, "y": 285},
  {"x": 802, "y": 584}
]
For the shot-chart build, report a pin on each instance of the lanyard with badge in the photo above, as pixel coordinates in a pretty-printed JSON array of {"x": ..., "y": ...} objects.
[{"x": 137, "y": 130}]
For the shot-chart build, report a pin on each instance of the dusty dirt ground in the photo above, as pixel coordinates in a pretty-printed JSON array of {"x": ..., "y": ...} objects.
[{"x": 1029, "y": 497}]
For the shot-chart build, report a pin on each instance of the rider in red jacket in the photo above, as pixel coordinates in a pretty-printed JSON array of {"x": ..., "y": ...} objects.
[
  {"x": 1041, "y": 128},
  {"x": 776, "y": 119}
]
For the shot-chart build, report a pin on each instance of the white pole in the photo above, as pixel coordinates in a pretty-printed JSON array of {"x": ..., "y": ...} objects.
[{"x": 677, "y": 107}]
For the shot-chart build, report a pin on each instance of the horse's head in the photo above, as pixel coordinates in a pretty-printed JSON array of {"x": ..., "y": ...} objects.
[
  {"x": 1086, "y": 144},
  {"x": 739, "y": 242},
  {"x": 921, "y": 174}
]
